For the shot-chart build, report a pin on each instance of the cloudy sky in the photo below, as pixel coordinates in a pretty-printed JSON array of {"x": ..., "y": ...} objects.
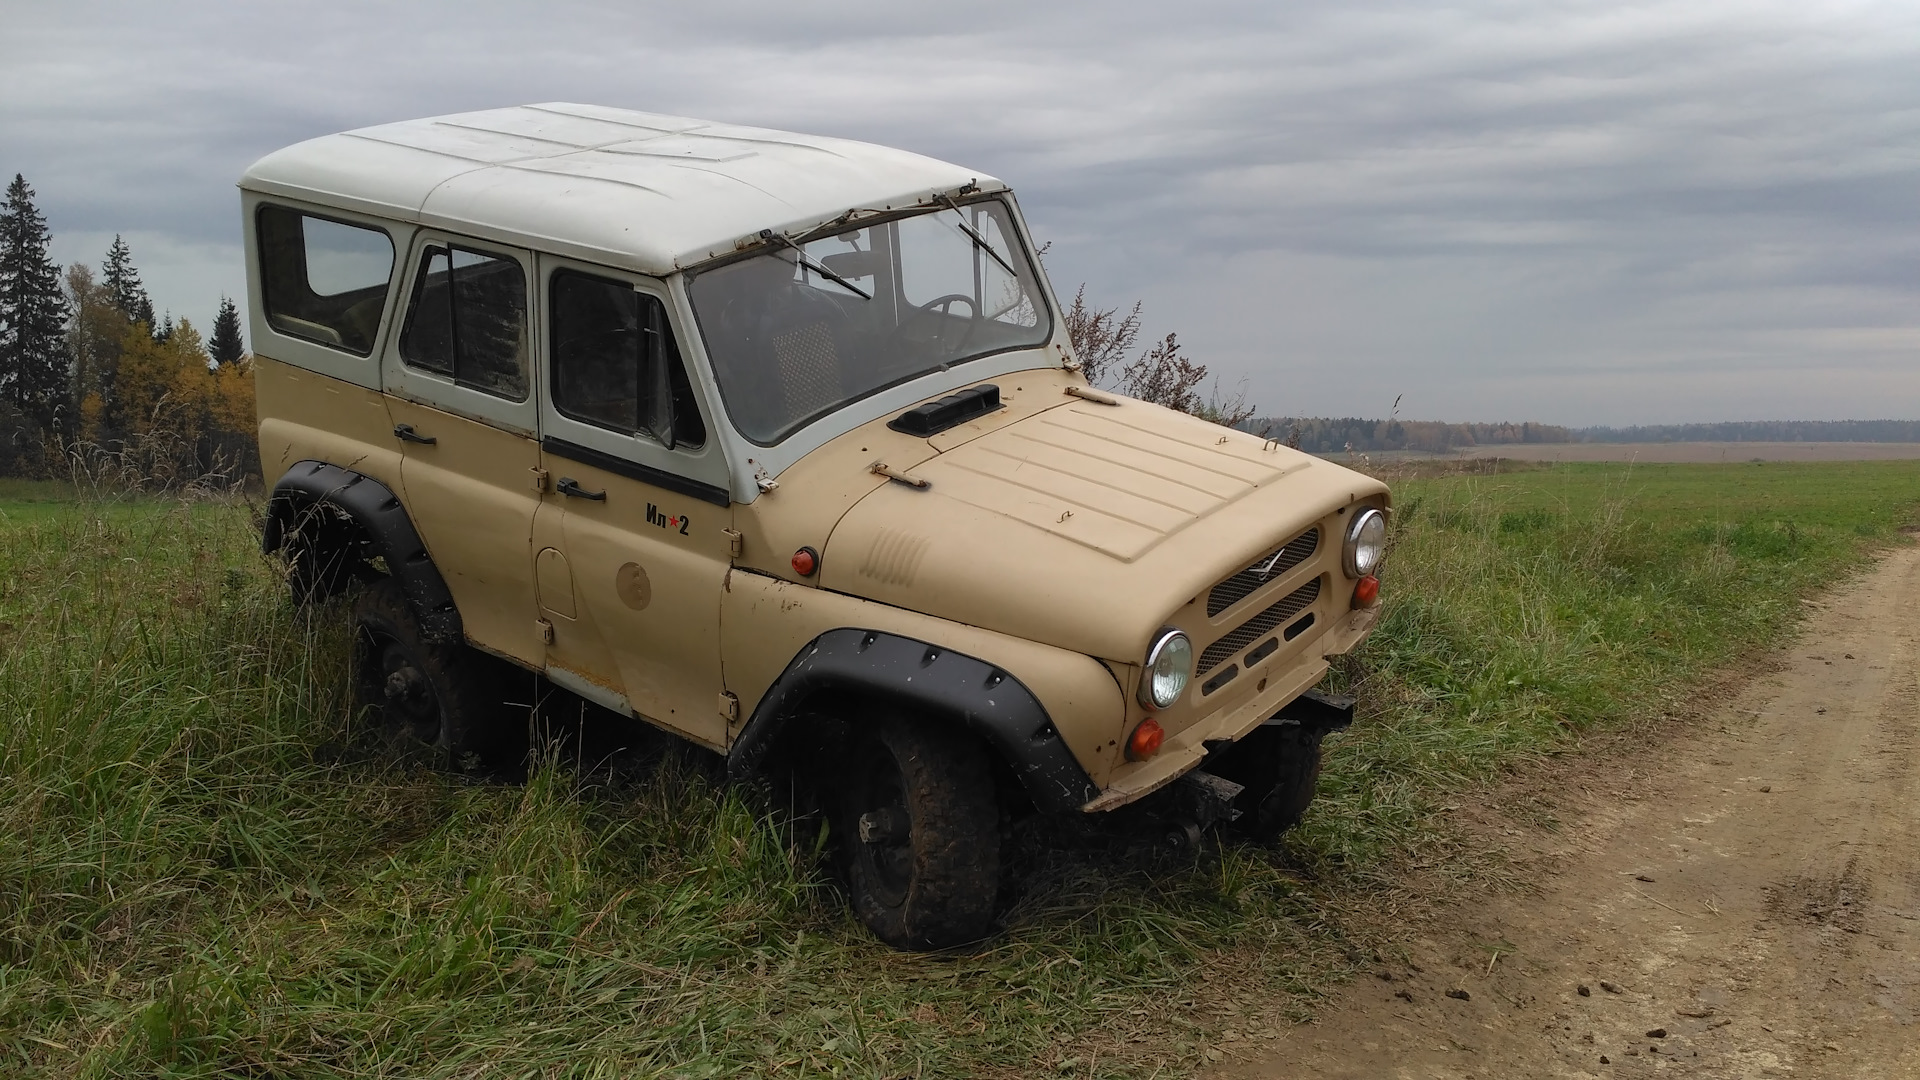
[{"x": 1572, "y": 212}]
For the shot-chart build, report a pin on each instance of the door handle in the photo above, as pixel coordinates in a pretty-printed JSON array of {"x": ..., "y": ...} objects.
[
  {"x": 405, "y": 433},
  {"x": 569, "y": 486}
]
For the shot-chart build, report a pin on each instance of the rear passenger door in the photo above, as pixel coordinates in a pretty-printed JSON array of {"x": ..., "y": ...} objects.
[
  {"x": 643, "y": 504},
  {"x": 462, "y": 398}
]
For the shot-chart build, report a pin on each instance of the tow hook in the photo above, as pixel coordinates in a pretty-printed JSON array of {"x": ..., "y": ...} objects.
[
  {"x": 1317, "y": 712},
  {"x": 1200, "y": 801}
]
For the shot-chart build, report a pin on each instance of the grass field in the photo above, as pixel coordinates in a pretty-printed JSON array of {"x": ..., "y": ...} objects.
[{"x": 204, "y": 872}]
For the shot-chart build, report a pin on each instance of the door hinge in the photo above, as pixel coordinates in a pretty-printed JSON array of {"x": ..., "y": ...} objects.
[
  {"x": 736, "y": 542},
  {"x": 539, "y": 479},
  {"x": 545, "y": 629},
  {"x": 729, "y": 706}
]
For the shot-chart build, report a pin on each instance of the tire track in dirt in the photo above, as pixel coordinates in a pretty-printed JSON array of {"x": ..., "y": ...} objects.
[{"x": 1749, "y": 890}]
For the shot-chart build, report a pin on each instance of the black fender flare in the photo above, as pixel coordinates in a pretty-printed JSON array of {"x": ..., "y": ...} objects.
[
  {"x": 309, "y": 486},
  {"x": 934, "y": 681}
]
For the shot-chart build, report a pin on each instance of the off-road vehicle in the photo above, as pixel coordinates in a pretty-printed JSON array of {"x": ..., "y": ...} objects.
[{"x": 779, "y": 443}]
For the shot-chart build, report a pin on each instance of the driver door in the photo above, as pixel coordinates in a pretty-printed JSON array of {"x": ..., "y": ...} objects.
[{"x": 639, "y": 495}]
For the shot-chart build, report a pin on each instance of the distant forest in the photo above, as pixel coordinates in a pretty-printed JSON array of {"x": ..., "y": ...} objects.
[{"x": 1324, "y": 435}]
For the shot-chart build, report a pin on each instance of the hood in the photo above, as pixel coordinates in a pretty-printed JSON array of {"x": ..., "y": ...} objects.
[{"x": 1084, "y": 526}]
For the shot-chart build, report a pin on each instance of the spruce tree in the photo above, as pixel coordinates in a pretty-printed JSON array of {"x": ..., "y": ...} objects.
[
  {"x": 123, "y": 283},
  {"x": 33, "y": 312},
  {"x": 165, "y": 330},
  {"x": 225, "y": 345}
]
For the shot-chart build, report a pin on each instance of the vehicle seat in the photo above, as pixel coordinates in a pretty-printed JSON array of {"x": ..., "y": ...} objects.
[
  {"x": 809, "y": 367},
  {"x": 362, "y": 321}
]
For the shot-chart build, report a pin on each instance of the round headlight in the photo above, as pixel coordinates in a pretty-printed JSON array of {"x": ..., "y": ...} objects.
[
  {"x": 1169, "y": 666},
  {"x": 1366, "y": 543}
]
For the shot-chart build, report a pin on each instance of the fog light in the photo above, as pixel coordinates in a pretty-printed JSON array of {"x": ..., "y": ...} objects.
[
  {"x": 806, "y": 561},
  {"x": 1145, "y": 740},
  {"x": 1366, "y": 592}
]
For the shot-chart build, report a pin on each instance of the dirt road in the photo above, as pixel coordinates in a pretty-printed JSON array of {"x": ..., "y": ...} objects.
[{"x": 1742, "y": 902}]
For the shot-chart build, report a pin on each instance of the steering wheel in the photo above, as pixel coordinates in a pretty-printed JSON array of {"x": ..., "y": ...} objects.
[{"x": 942, "y": 305}]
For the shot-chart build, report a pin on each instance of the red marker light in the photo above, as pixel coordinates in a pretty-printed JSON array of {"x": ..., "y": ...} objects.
[
  {"x": 1145, "y": 740},
  {"x": 1366, "y": 592},
  {"x": 806, "y": 561}
]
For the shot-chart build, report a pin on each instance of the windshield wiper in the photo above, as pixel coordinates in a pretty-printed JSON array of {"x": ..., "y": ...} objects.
[
  {"x": 816, "y": 265},
  {"x": 974, "y": 234}
]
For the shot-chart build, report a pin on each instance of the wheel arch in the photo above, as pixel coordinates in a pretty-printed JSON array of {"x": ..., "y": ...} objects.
[
  {"x": 320, "y": 513},
  {"x": 932, "y": 681}
]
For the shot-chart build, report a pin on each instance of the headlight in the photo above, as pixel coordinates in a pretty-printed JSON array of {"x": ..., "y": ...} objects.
[
  {"x": 1366, "y": 543},
  {"x": 1169, "y": 666}
]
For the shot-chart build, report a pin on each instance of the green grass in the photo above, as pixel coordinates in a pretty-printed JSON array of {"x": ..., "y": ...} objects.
[
  {"x": 23, "y": 500},
  {"x": 203, "y": 873}
]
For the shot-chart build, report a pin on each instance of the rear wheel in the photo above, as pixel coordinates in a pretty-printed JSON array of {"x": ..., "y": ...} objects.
[
  {"x": 436, "y": 697},
  {"x": 918, "y": 833},
  {"x": 1279, "y": 766}
]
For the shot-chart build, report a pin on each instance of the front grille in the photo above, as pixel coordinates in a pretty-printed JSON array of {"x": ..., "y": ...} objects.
[
  {"x": 1250, "y": 631},
  {"x": 1241, "y": 585}
]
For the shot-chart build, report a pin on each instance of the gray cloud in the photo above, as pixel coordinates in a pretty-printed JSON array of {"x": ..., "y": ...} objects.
[{"x": 1579, "y": 213}]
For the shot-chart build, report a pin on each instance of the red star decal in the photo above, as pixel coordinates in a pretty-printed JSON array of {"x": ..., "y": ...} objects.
[{"x": 673, "y": 522}]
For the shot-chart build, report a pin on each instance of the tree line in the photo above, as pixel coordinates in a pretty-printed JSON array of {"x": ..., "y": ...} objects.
[
  {"x": 1761, "y": 431},
  {"x": 1351, "y": 434},
  {"x": 92, "y": 387}
]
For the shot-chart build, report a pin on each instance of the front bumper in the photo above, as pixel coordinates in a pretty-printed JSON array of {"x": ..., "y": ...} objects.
[{"x": 1185, "y": 749}]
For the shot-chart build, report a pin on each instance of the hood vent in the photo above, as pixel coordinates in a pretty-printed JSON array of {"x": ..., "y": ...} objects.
[{"x": 951, "y": 411}]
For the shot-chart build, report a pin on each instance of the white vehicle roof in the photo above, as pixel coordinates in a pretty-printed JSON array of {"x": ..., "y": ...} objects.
[{"x": 648, "y": 192}]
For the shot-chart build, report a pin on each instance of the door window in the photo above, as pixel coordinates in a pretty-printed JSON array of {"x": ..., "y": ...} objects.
[
  {"x": 468, "y": 320},
  {"x": 616, "y": 364}
]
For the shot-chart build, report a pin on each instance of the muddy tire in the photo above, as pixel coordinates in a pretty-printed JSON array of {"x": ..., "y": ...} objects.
[
  {"x": 438, "y": 698},
  {"x": 1280, "y": 767},
  {"x": 917, "y": 829}
]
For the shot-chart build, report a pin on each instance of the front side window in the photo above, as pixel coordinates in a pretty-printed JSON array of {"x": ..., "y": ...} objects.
[
  {"x": 468, "y": 320},
  {"x": 323, "y": 280},
  {"x": 615, "y": 362},
  {"x": 794, "y": 334}
]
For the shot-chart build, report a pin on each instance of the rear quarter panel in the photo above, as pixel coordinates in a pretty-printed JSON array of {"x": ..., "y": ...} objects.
[{"x": 304, "y": 415}]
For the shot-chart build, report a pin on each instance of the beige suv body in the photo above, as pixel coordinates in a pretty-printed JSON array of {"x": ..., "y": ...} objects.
[{"x": 745, "y": 433}]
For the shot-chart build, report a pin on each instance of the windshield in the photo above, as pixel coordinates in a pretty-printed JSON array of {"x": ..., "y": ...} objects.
[{"x": 800, "y": 330}]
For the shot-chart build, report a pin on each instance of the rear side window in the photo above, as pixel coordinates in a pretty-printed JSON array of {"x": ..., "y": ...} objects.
[
  {"x": 468, "y": 320},
  {"x": 323, "y": 280},
  {"x": 616, "y": 364}
]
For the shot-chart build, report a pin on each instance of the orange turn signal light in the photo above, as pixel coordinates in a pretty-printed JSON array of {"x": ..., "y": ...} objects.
[
  {"x": 1145, "y": 740},
  {"x": 1366, "y": 592},
  {"x": 806, "y": 561}
]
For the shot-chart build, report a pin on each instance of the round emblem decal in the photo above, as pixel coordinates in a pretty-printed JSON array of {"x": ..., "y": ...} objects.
[{"x": 631, "y": 583}]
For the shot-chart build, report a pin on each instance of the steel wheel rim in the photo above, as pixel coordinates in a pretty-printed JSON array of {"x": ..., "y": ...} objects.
[
  {"x": 410, "y": 702},
  {"x": 888, "y": 861}
]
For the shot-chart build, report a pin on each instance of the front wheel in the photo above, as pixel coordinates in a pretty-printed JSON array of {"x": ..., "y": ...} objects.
[
  {"x": 918, "y": 833},
  {"x": 1279, "y": 766}
]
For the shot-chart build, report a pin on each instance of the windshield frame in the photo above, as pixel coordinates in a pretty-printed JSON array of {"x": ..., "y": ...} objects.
[{"x": 1040, "y": 294}]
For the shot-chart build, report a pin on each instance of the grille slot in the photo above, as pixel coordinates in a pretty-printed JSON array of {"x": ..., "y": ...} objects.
[
  {"x": 1242, "y": 585},
  {"x": 1250, "y": 631}
]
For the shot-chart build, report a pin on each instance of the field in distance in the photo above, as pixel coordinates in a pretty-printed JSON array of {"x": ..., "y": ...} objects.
[{"x": 1690, "y": 453}]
